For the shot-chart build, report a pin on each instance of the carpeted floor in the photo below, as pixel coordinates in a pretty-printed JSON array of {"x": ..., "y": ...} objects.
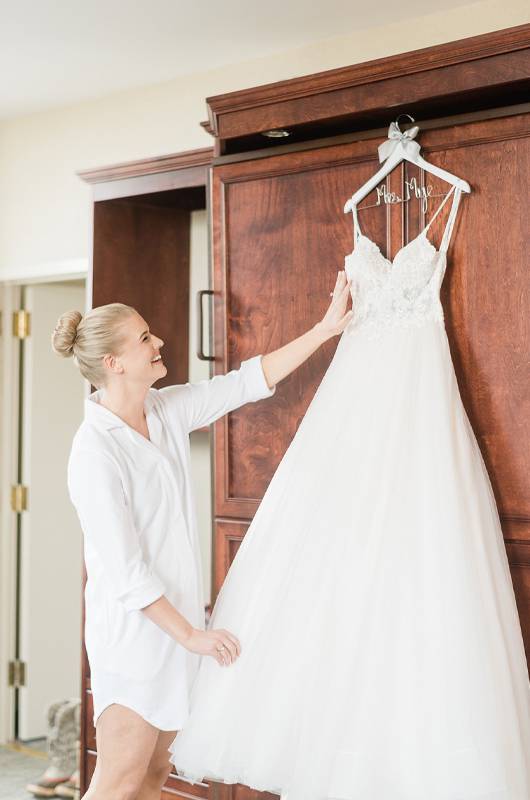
[{"x": 20, "y": 764}]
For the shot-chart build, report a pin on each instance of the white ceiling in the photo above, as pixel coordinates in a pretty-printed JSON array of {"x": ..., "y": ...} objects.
[{"x": 57, "y": 52}]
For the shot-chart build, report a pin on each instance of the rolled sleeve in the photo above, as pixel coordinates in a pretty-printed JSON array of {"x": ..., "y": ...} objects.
[
  {"x": 96, "y": 490},
  {"x": 143, "y": 595},
  {"x": 255, "y": 377},
  {"x": 206, "y": 401}
]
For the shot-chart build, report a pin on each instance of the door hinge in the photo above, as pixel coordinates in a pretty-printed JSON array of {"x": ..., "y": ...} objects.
[
  {"x": 21, "y": 323},
  {"x": 16, "y": 674},
  {"x": 19, "y": 498}
]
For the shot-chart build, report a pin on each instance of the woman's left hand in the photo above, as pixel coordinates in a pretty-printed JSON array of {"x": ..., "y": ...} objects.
[
  {"x": 279, "y": 363},
  {"x": 336, "y": 317}
]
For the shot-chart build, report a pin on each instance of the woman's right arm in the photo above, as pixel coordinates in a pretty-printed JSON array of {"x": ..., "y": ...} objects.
[
  {"x": 97, "y": 494},
  {"x": 206, "y": 401},
  {"x": 219, "y": 644}
]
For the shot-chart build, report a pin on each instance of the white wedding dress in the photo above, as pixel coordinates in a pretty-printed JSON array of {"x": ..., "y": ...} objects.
[{"x": 382, "y": 654}]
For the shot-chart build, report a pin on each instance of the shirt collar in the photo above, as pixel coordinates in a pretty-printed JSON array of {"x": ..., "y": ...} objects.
[{"x": 97, "y": 414}]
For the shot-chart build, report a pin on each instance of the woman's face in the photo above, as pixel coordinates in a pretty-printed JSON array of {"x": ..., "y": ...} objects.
[{"x": 140, "y": 360}]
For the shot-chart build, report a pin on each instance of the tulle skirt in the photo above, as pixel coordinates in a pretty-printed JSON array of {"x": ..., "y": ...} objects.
[{"x": 382, "y": 654}]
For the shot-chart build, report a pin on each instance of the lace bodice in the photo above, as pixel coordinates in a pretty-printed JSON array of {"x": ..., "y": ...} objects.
[{"x": 402, "y": 292}]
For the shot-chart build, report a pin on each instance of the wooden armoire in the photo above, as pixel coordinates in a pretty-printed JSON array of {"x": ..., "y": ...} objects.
[{"x": 285, "y": 158}]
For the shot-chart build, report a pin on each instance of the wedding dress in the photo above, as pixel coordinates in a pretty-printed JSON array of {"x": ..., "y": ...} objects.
[{"x": 382, "y": 653}]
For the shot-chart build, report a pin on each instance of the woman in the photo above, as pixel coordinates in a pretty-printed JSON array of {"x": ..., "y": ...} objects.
[{"x": 129, "y": 480}]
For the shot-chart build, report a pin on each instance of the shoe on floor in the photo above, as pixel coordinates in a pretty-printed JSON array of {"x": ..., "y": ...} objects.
[
  {"x": 46, "y": 787},
  {"x": 70, "y": 788}
]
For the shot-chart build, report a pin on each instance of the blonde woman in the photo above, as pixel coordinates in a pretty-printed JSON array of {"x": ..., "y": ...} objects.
[{"x": 129, "y": 480}]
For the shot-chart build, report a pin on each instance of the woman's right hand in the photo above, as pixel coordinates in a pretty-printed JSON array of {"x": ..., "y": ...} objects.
[{"x": 219, "y": 644}]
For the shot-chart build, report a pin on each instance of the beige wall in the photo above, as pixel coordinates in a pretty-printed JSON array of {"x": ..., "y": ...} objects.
[{"x": 43, "y": 205}]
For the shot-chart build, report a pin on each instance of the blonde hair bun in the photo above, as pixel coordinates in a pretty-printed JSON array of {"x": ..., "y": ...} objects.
[
  {"x": 65, "y": 332},
  {"x": 91, "y": 337}
]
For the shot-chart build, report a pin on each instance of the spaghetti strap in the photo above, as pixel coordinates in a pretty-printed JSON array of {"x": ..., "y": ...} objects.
[
  {"x": 449, "y": 224},
  {"x": 450, "y": 221},
  {"x": 356, "y": 227},
  {"x": 446, "y": 198}
]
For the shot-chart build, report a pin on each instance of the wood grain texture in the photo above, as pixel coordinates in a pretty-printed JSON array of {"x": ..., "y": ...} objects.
[
  {"x": 228, "y": 535},
  {"x": 88, "y": 723},
  {"x": 141, "y": 257},
  {"x": 487, "y": 299}
]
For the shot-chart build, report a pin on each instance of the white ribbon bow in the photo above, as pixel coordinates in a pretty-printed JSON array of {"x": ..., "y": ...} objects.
[{"x": 395, "y": 136}]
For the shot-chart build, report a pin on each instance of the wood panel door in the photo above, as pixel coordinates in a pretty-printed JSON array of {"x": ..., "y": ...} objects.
[
  {"x": 279, "y": 237},
  {"x": 141, "y": 258}
]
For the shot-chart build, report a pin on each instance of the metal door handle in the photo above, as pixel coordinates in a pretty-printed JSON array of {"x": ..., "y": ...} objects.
[{"x": 200, "y": 347}]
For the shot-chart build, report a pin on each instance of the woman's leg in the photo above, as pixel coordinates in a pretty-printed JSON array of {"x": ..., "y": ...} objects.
[
  {"x": 158, "y": 769},
  {"x": 125, "y": 743}
]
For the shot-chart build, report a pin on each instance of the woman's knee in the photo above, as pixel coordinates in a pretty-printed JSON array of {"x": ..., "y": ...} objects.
[
  {"x": 157, "y": 774},
  {"x": 126, "y": 789}
]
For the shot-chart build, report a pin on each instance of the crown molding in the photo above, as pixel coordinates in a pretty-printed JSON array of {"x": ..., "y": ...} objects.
[{"x": 149, "y": 166}]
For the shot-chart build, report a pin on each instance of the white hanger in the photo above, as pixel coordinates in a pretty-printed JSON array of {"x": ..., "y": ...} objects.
[{"x": 399, "y": 146}]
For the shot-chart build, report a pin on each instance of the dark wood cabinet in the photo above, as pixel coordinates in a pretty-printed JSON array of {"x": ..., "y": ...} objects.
[{"x": 279, "y": 235}]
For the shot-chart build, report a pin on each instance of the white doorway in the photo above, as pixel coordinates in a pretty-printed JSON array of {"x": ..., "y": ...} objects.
[{"x": 45, "y": 612}]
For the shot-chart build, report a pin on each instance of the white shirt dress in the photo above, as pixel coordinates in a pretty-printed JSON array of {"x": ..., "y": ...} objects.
[{"x": 135, "y": 504}]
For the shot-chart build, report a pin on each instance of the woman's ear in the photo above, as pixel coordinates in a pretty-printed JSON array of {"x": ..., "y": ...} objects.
[{"x": 112, "y": 363}]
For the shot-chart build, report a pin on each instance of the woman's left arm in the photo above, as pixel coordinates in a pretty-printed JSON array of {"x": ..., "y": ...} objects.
[
  {"x": 204, "y": 402},
  {"x": 279, "y": 363}
]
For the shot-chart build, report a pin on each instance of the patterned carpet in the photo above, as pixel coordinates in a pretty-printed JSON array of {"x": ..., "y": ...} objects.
[{"x": 20, "y": 764}]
